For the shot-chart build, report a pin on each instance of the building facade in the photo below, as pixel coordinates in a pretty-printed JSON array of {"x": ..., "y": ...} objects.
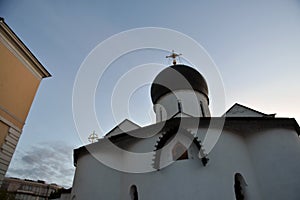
[
  {"x": 20, "y": 76},
  {"x": 256, "y": 156},
  {"x": 24, "y": 189}
]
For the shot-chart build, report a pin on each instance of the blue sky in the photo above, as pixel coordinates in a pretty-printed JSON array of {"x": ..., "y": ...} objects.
[{"x": 255, "y": 44}]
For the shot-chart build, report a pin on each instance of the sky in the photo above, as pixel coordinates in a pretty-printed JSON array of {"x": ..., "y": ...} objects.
[{"x": 255, "y": 45}]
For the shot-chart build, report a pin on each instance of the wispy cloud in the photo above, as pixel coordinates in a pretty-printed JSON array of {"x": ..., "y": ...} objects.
[{"x": 48, "y": 161}]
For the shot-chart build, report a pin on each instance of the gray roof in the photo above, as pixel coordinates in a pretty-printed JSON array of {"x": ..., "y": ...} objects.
[{"x": 240, "y": 125}]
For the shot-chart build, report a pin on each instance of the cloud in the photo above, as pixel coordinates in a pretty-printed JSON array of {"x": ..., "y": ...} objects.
[{"x": 51, "y": 162}]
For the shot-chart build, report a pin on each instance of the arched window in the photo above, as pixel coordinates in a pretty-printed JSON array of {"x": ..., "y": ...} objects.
[
  {"x": 133, "y": 192},
  {"x": 239, "y": 187},
  {"x": 179, "y": 152}
]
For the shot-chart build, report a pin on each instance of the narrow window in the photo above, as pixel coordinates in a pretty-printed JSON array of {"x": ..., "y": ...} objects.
[
  {"x": 202, "y": 110},
  {"x": 160, "y": 113},
  {"x": 239, "y": 187},
  {"x": 179, "y": 106},
  {"x": 179, "y": 152},
  {"x": 133, "y": 192}
]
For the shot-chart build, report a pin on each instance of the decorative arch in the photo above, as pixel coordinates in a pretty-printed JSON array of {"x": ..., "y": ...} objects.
[{"x": 164, "y": 138}]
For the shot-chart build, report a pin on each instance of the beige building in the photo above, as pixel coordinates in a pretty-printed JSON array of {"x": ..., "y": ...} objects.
[
  {"x": 28, "y": 189},
  {"x": 20, "y": 76}
]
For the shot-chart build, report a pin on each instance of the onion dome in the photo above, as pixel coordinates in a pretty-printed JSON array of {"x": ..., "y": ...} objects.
[{"x": 177, "y": 77}]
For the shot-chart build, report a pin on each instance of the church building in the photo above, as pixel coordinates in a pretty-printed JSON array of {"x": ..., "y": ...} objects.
[{"x": 255, "y": 155}]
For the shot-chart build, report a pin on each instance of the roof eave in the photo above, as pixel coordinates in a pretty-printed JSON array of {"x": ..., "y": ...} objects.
[{"x": 9, "y": 33}]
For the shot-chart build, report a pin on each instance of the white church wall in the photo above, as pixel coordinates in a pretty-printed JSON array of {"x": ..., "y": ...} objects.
[
  {"x": 200, "y": 133},
  {"x": 93, "y": 180},
  {"x": 230, "y": 156},
  {"x": 166, "y": 157},
  {"x": 143, "y": 145},
  {"x": 275, "y": 153},
  {"x": 184, "y": 179}
]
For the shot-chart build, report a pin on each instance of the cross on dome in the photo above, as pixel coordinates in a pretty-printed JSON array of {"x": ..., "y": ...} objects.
[{"x": 173, "y": 56}]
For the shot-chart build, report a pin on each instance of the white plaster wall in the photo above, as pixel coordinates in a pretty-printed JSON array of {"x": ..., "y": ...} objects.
[
  {"x": 184, "y": 179},
  {"x": 148, "y": 146},
  {"x": 93, "y": 180},
  {"x": 190, "y": 101},
  {"x": 276, "y": 154},
  {"x": 232, "y": 156}
]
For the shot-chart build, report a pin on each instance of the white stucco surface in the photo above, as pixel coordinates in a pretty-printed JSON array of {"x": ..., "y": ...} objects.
[
  {"x": 267, "y": 158},
  {"x": 193, "y": 104}
]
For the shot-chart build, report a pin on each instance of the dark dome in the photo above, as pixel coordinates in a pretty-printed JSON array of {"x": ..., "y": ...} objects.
[{"x": 177, "y": 77}]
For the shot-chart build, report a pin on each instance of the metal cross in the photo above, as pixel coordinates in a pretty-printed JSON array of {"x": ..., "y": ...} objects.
[
  {"x": 93, "y": 137},
  {"x": 174, "y": 56}
]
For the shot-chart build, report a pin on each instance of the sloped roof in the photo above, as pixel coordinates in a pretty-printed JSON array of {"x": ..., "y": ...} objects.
[
  {"x": 124, "y": 126},
  {"x": 238, "y": 110},
  {"x": 242, "y": 124}
]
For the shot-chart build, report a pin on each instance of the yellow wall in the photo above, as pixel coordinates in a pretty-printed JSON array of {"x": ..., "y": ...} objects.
[{"x": 18, "y": 86}]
